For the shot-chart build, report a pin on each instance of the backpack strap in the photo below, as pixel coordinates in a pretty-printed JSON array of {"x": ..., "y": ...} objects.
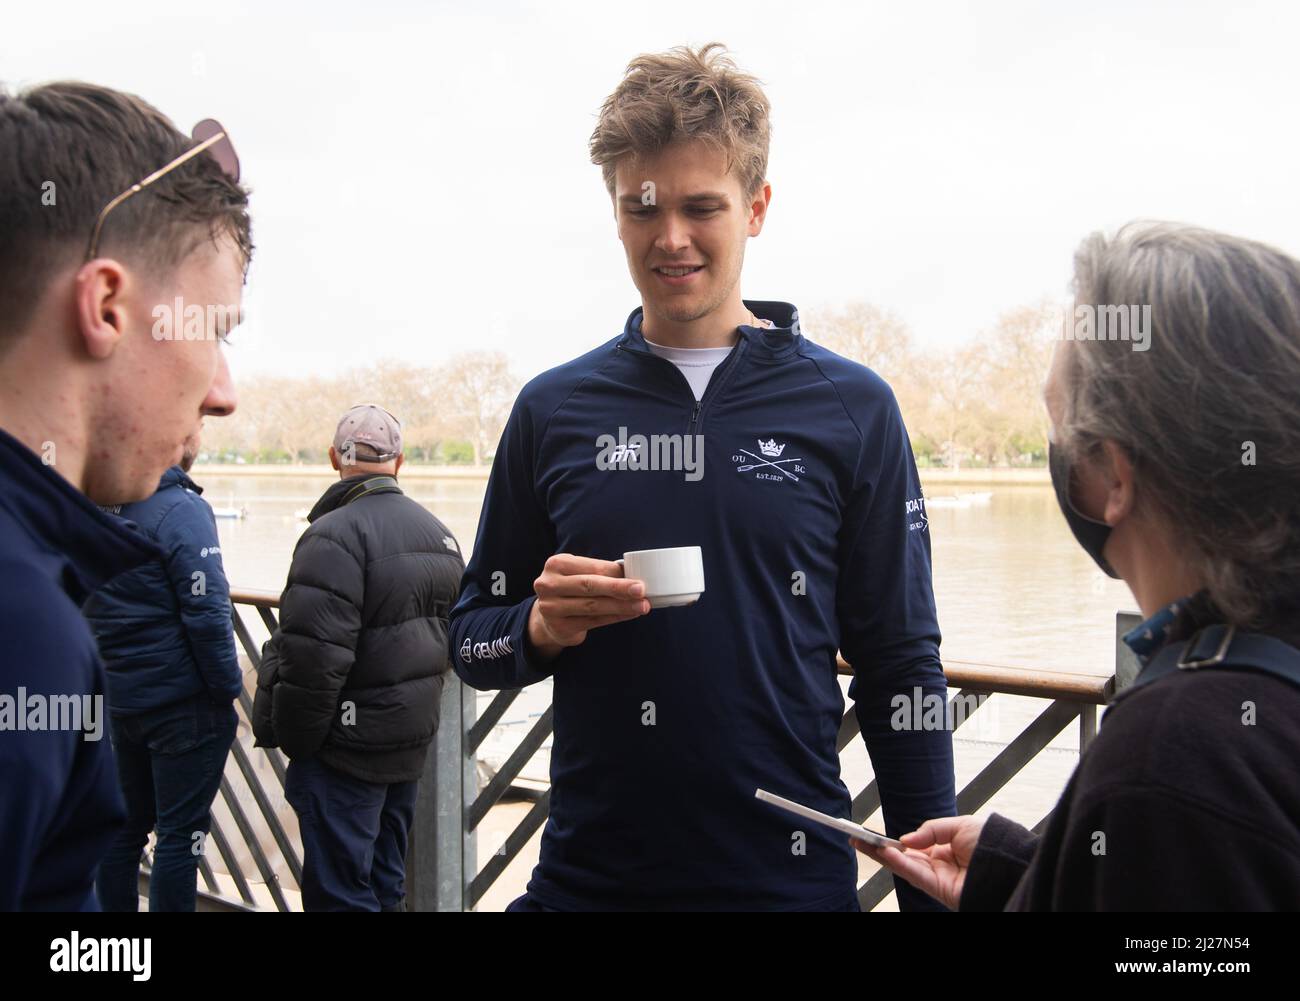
[
  {"x": 374, "y": 485},
  {"x": 1221, "y": 646}
]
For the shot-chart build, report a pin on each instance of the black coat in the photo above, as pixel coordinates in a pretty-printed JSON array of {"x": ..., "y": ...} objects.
[
  {"x": 1178, "y": 805},
  {"x": 354, "y": 672}
]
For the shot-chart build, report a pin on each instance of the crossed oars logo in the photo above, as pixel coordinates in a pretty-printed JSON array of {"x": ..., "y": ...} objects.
[{"x": 759, "y": 461}]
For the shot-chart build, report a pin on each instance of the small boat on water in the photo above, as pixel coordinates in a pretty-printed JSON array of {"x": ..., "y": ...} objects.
[
  {"x": 237, "y": 513},
  {"x": 959, "y": 500}
]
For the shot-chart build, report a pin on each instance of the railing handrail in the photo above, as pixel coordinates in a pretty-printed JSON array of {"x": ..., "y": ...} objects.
[
  {"x": 260, "y": 597},
  {"x": 1000, "y": 679},
  {"x": 968, "y": 675},
  {"x": 442, "y": 867}
]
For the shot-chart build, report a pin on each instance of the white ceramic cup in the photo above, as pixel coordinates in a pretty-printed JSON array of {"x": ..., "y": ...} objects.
[{"x": 672, "y": 577}]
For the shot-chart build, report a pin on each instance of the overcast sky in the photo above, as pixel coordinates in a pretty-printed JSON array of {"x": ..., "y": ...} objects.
[{"x": 421, "y": 183}]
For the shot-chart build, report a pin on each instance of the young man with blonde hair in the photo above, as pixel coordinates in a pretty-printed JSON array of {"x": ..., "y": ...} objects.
[{"x": 791, "y": 469}]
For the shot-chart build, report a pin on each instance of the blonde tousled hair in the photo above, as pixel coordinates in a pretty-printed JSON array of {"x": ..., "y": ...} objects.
[{"x": 683, "y": 95}]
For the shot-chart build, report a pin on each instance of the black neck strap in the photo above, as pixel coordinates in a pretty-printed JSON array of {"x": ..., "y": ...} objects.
[
  {"x": 1222, "y": 646},
  {"x": 374, "y": 485}
]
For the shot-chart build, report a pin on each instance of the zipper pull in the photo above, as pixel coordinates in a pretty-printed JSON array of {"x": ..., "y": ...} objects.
[{"x": 694, "y": 415}]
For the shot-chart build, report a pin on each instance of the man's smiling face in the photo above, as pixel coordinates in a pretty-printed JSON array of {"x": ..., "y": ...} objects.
[{"x": 685, "y": 236}]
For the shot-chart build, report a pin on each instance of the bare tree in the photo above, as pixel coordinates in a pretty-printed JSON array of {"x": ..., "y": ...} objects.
[
  {"x": 478, "y": 389},
  {"x": 413, "y": 395},
  {"x": 1021, "y": 348},
  {"x": 865, "y": 333},
  {"x": 955, "y": 385}
]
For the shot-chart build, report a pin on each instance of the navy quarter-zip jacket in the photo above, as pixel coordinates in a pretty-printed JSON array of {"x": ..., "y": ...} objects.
[
  {"x": 805, "y": 500},
  {"x": 60, "y": 805},
  {"x": 160, "y": 641}
]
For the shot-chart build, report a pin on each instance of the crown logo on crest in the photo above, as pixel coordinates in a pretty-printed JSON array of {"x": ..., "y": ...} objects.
[{"x": 770, "y": 447}]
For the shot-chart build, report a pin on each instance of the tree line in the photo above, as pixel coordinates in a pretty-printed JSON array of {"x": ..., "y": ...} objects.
[
  {"x": 975, "y": 403},
  {"x": 451, "y": 414}
]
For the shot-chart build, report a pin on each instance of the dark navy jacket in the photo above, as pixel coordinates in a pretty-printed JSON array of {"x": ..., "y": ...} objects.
[
  {"x": 164, "y": 630},
  {"x": 59, "y": 800},
  {"x": 808, "y": 510}
]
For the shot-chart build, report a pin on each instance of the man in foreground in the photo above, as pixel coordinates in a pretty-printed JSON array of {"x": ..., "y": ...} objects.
[{"x": 93, "y": 408}]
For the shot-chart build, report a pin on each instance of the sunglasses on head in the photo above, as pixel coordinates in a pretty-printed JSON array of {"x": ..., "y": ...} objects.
[{"x": 210, "y": 137}]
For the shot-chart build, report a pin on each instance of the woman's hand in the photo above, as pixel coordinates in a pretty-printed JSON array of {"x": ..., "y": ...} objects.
[{"x": 936, "y": 856}]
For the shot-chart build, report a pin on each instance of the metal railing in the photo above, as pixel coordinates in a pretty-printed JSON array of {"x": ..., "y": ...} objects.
[
  {"x": 257, "y": 817},
  {"x": 442, "y": 870},
  {"x": 1071, "y": 696}
]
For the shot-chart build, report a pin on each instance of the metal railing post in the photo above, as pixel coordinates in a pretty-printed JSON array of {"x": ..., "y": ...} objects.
[{"x": 441, "y": 860}]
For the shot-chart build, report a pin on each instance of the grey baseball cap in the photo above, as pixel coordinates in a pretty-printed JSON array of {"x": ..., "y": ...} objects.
[{"x": 368, "y": 424}]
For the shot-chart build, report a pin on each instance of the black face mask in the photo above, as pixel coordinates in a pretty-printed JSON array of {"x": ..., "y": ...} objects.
[{"x": 1090, "y": 534}]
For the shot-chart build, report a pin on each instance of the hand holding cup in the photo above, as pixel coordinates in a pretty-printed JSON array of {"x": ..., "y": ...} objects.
[{"x": 576, "y": 594}]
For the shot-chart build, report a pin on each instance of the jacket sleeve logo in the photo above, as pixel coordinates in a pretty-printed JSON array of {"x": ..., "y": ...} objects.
[{"x": 499, "y": 647}]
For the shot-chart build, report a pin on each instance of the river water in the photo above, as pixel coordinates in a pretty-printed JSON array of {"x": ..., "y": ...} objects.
[{"x": 1011, "y": 584}]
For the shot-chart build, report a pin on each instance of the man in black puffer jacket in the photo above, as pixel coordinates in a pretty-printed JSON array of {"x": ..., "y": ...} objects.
[{"x": 350, "y": 681}]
